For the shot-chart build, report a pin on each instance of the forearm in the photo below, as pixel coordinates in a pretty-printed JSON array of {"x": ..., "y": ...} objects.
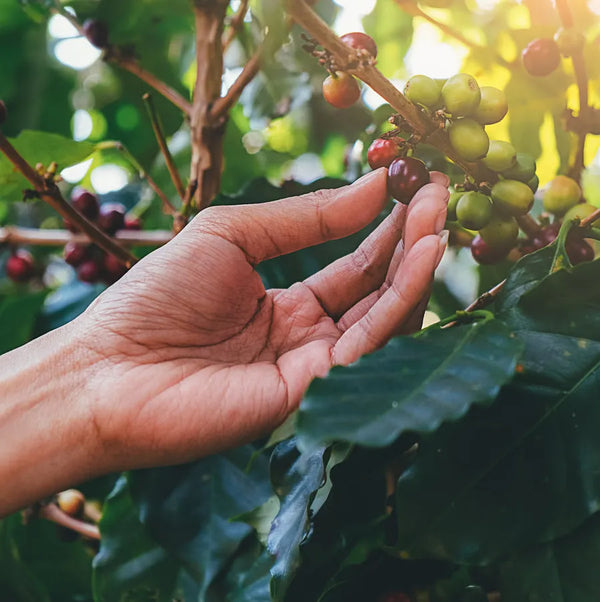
[{"x": 47, "y": 441}]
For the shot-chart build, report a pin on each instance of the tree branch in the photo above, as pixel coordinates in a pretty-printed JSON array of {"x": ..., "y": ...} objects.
[
  {"x": 235, "y": 24},
  {"x": 53, "y": 513},
  {"x": 49, "y": 193}
]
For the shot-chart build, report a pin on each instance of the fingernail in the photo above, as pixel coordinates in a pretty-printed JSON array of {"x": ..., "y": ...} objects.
[
  {"x": 372, "y": 175},
  {"x": 440, "y": 221},
  {"x": 442, "y": 245}
]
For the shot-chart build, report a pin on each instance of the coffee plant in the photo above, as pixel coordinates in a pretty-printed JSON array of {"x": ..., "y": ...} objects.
[{"x": 458, "y": 464}]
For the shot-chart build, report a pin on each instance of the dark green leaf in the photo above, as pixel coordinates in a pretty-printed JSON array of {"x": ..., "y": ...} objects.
[
  {"x": 413, "y": 384},
  {"x": 18, "y": 314}
]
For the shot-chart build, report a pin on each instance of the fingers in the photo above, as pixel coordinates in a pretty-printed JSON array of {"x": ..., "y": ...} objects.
[
  {"x": 268, "y": 230},
  {"x": 395, "y": 306},
  {"x": 440, "y": 178},
  {"x": 344, "y": 282}
]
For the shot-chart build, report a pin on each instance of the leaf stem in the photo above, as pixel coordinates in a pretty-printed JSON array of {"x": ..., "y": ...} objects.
[
  {"x": 54, "y": 514},
  {"x": 486, "y": 298}
]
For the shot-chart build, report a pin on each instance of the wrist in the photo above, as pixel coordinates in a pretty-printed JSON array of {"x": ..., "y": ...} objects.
[{"x": 47, "y": 439}]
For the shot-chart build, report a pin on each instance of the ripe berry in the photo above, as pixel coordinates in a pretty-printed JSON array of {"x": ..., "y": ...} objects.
[
  {"x": 85, "y": 202},
  {"x": 581, "y": 211},
  {"x": 382, "y": 152},
  {"x": 461, "y": 95},
  {"x": 71, "y": 502},
  {"x": 541, "y": 57},
  {"x": 493, "y": 106},
  {"x": 561, "y": 194},
  {"x": 112, "y": 217},
  {"x": 486, "y": 254},
  {"x": 341, "y": 90},
  {"x": 20, "y": 266},
  {"x": 501, "y": 232},
  {"x": 500, "y": 156},
  {"x": 523, "y": 170},
  {"x": 569, "y": 41},
  {"x": 512, "y": 197},
  {"x": 76, "y": 254},
  {"x": 112, "y": 269},
  {"x": 473, "y": 210},
  {"x": 579, "y": 251},
  {"x": 88, "y": 272},
  {"x": 423, "y": 90},
  {"x": 360, "y": 41},
  {"x": 3, "y": 112},
  {"x": 469, "y": 140},
  {"x": 96, "y": 32},
  {"x": 406, "y": 175},
  {"x": 133, "y": 223}
]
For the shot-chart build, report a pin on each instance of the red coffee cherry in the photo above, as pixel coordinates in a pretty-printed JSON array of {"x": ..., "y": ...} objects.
[
  {"x": 85, "y": 202},
  {"x": 360, "y": 41},
  {"x": 541, "y": 57},
  {"x": 89, "y": 272},
  {"x": 112, "y": 217},
  {"x": 112, "y": 269},
  {"x": 20, "y": 266},
  {"x": 96, "y": 32},
  {"x": 382, "y": 152},
  {"x": 406, "y": 175},
  {"x": 486, "y": 254},
  {"x": 341, "y": 90},
  {"x": 76, "y": 254},
  {"x": 133, "y": 223}
]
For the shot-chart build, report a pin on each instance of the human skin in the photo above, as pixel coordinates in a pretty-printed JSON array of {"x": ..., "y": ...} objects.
[{"x": 188, "y": 354}]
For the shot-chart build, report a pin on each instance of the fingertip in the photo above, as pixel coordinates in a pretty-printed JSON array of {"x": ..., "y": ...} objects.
[
  {"x": 440, "y": 178},
  {"x": 433, "y": 189}
]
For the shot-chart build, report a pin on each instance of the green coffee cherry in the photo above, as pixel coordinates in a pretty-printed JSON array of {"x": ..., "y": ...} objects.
[
  {"x": 512, "y": 197},
  {"x": 473, "y": 210},
  {"x": 500, "y": 156},
  {"x": 469, "y": 140},
  {"x": 534, "y": 183},
  {"x": 561, "y": 194},
  {"x": 581, "y": 211},
  {"x": 523, "y": 170},
  {"x": 461, "y": 95},
  {"x": 422, "y": 90},
  {"x": 493, "y": 106},
  {"x": 501, "y": 231},
  {"x": 452, "y": 202}
]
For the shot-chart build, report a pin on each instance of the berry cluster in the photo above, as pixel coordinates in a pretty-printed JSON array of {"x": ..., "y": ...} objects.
[{"x": 93, "y": 264}]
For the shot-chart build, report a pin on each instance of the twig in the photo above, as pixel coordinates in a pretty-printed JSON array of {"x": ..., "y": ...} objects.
[
  {"x": 53, "y": 513},
  {"x": 528, "y": 225},
  {"x": 162, "y": 143},
  {"x": 586, "y": 221},
  {"x": 486, "y": 298},
  {"x": 49, "y": 193},
  {"x": 13, "y": 235},
  {"x": 235, "y": 24}
]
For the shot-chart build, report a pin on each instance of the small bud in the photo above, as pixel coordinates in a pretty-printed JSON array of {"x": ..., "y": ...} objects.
[{"x": 71, "y": 502}]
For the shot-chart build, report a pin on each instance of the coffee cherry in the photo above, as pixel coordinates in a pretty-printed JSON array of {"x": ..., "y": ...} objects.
[
  {"x": 382, "y": 152},
  {"x": 523, "y": 170},
  {"x": 581, "y": 211},
  {"x": 133, "y": 223},
  {"x": 469, "y": 140},
  {"x": 422, "y": 90},
  {"x": 112, "y": 217},
  {"x": 579, "y": 251},
  {"x": 360, "y": 41},
  {"x": 541, "y": 57},
  {"x": 3, "y": 112},
  {"x": 569, "y": 41},
  {"x": 493, "y": 106},
  {"x": 452, "y": 202},
  {"x": 71, "y": 502},
  {"x": 500, "y": 232},
  {"x": 88, "y": 272},
  {"x": 76, "y": 254},
  {"x": 461, "y": 95},
  {"x": 561, "y": 194},
  {"x": 512, "y": 197},
  {"x": 500, "y": 156},
  {"x": 406, "y": 175},
  {"x": 341, "y": 90},
  {"x": 20, "y": 266},
  {"x": 534, "y": 183},
  {"x": 112, "y": 269},
  {"x": 473, "y": 210},
  {"x": 85, "y": 202},
  {"x": 96, "y": 32},
  {"x": 486, "y": 254}
]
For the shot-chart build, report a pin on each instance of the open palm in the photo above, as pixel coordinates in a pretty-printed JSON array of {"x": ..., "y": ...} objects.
[{"x": 195, "y": 355}]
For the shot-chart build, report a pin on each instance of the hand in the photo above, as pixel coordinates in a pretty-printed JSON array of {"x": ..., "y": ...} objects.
[{"x": 191, "y": 355}]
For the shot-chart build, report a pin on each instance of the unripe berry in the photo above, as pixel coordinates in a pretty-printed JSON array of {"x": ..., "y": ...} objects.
[
  {"x": 541, "y": 57},
  {"x": 112, "y": 217},
  {"x": 500, "y": 156},
  {"x": 71, "y": 502},
  {"x": 20, "y": 266},
  {"x": 501, "y": 232},
  {"x": 88, "y": 272},
  {"x": 486, "y": 254},
  {"x": 382, "y": 152},
  {"x": 461, "y": 95},
  {"x": 423, "y": 90},
  {"x": 360, "y": 41},
  {"x": 469, "y": 140},
  {"x": 96, "y": 32},
  {"x": 534, "y": 183},
  {"x": 561, "y": 194},
  {"x": 341, "y": 90},
  {"x": 76, "y": 254},
  {"x": 523, "y": 170},
  {"x": 406, "y": 175},
  {"x": 452, "y": 202},
  {"x": 3, "y": 112},
  {"x": 85, "y": 202},
  {"x": 512, "y": 197},
  {"x": 569, "y": 41},
  {"x": 473, "y": 210},
  {"x": 493, "y": 106},
  {"x": 581, "y": 211}
]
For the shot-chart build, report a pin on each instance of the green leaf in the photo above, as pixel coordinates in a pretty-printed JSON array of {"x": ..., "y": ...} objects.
[
  {"x": 39, "y": 147},
  {"x": 130, "y": 564},
  {"x": 413, "y": 384},
  {"x": 18, "y": 314}
]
